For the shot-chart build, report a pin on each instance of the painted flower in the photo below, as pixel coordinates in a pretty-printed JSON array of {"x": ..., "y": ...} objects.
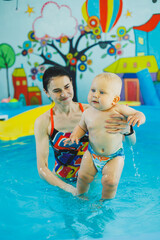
[
  {"x": 81, "y": 27},
  {"x": 24, "y": 52},
  {"x": 41, "y": 68},
  {"x": 93, "y": 22},
  {"x": 82, "y": 32},
  {"x": 64, "y": 39},
  {"x": 40, "y": 76},
  {"x": 34, "y": 71},
  {"x": 111, "y": 51},
  {"x": 89, "y": 62},
  {"x": 43, "y": 42},
  {"x": 82, "y": 67},
  {"x": 117, "y": 45},
  {"x": 98, "y": 37},
  {"x": 93, "y": 37},
  {"x": 121, "y": 31},
  {"x": 31, "y": 36},
  {"x": 83, "y": 58},
  {"x": 36, "y": 64},
  {"x": 96, "y": 31},
  {"x": 27, "y": 45},
  {"x": 73, "y": 61},
  {"x": 119, "y": 52},
  {"x": 87, "y": 29},
  {"x": 33, "y": 77},
  {"x": 30, "y": 50},
  {"x": 69, "y": 56},
  {"x": 126, "y": 37},
  {"x": 46, "y": 36},
  {"x": 48, "y": 55}
]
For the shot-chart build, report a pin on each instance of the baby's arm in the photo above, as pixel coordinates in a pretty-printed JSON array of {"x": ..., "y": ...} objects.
[
  {"x": 133, "y": 116},
  {"x": 78, "y": 131}
]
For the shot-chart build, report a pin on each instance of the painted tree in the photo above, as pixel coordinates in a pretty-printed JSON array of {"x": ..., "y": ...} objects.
[
  {"x": 7, "y": 59},
  {"x": 59, "y": 40}
]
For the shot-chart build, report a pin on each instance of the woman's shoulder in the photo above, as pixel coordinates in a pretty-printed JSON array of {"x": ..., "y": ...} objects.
[{"x": 43, "y": 120}]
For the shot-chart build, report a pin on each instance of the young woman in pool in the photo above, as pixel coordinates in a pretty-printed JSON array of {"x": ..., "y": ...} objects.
[{"x": 56, "y": 125}]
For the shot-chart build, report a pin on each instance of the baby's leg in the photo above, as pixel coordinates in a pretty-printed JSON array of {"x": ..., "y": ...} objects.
[
  {"x": 86, "y": 173},
  {"x": 111, "y": 175}
]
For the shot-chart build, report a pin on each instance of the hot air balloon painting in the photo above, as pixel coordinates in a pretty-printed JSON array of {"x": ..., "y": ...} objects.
[{"x": 103, "y": 13}]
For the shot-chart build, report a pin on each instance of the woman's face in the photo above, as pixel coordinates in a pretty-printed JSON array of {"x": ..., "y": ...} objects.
[{"x": 60, "y": 90}]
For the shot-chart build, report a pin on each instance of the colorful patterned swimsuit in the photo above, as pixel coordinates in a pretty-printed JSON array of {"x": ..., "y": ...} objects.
[{"x": 67, "y": 158}]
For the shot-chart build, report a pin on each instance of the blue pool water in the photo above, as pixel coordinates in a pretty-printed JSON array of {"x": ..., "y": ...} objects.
[{"x": 32, "y": 209}]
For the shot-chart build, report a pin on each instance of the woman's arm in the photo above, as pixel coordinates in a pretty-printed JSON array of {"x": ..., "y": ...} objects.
[{"x": 42, "y": 151}]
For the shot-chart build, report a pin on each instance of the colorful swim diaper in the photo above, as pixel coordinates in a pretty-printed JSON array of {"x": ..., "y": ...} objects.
[{"x": 100, "y": 161}]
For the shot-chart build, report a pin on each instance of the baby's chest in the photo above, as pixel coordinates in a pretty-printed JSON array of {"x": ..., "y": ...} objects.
[{"x": 98, "y": 120}]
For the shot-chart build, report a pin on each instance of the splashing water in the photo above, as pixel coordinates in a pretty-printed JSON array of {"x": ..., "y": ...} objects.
[{"x": 134, "y": 164}]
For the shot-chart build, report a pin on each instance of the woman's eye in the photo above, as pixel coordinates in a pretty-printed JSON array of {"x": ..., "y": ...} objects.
[
  {"x": 101, "y": 92},
  {"x": 56, "y": 91},
  {"x": 93, "y": 90},
  {"x": 67, "y": 86}
]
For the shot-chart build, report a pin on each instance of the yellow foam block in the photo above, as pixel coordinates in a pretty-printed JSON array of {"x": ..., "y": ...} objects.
[
  {"x": 21, "y": 125},
  {"x": 130, "y": 103}
]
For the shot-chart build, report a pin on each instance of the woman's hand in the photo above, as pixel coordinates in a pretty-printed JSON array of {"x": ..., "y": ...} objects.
[
  {"x": 117, "y": 123},
  {"x": 71, "y": 189},
  {"x": 137, "y": 118}
]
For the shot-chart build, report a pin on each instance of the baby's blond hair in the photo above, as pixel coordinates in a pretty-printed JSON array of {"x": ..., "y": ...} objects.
[{"x": 114, "y": 79}]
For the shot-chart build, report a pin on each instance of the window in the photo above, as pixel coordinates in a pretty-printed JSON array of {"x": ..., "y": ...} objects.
[
  {"x": 140, "y": 54},
  {"x": 24, "y": 82},
  {"x": 141, "y": 40},
  {"x": 124, "y": 65},
  {"x": 135, "y": 65},
  {"x": 148, "y": 64},
  {"x": 17, "y": 83}
]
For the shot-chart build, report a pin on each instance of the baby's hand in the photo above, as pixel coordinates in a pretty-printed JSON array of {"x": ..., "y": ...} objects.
[
  {"x": 138, "y": 118},
  {"x": 71, "y": 140}
]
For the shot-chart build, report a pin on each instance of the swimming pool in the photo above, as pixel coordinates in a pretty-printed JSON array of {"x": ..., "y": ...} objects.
[{"x": 32, "y": 209}]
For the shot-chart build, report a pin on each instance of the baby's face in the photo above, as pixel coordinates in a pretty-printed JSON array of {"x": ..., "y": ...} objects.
[{"x": 101, "y": 94}]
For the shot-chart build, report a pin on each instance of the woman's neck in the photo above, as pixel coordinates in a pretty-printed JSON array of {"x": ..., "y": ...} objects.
[{"x": 66, "y": 109}]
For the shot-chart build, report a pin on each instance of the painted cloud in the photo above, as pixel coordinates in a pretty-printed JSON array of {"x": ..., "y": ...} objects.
[{"x": 55, "y": 21}]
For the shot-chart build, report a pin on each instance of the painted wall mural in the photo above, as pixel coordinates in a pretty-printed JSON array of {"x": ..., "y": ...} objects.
[
  {"x": 85, "y": 41},
  {"x": 47, "y": 38}
]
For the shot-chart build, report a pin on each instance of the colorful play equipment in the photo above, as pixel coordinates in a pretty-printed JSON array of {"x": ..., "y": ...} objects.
[
  {"x": 147, "y": 88},
  {"x": 130, "y": 103},
  {"x": 22, "y": 124}
]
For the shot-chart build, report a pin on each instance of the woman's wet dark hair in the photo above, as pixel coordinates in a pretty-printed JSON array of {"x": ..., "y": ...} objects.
[{"x": 52, "y": 72}]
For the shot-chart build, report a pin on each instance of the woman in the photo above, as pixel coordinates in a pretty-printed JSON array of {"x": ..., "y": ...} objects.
[{"x": 55, "y": 125}]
